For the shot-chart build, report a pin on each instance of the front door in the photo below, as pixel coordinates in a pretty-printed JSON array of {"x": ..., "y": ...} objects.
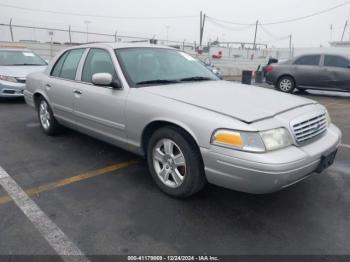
[
  {"x": 100, "y": 109},
  {"x": 338, "y": 72}
]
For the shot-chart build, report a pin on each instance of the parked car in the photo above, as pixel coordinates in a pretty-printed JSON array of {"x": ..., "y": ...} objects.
[
  {"x": 15, "y": 65},
  {"x": 192, "y": 127},
  {"x": 317, "y": 71}
]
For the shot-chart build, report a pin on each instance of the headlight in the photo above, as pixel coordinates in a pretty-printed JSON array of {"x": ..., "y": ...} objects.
[
  {"x": 276, "y": 138},
  {"x": 8, "y": 78},
  {"x": 246, "y": 141},
  {"x": 257, "y": 142},
  {"x": 328, "y": 117}
]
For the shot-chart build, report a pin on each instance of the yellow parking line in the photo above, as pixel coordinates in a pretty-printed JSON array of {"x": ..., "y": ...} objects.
[{"x": 70, "y": 180}]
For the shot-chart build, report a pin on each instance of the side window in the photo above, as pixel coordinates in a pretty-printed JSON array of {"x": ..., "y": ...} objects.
[
  {"x": 311, "y": 60},
  {"x": 70, "y": 65},
  {"x": 97, "y": 61},
  {"x": 58, "y": 66},
  {"x": 336, "y": 61}
]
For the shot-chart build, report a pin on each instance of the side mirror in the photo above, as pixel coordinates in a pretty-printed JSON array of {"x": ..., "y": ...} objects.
[
  {"x": 102, "y": 79},
  {"x": 105, "y": 79}
]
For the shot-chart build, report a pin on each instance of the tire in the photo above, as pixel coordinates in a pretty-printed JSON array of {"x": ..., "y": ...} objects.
[
  {"x": 303, "y": 91},
  {"x": 286, "y": 84},
  {"x": 175, "y": 162},
  {"x": 47, "y": 121}
]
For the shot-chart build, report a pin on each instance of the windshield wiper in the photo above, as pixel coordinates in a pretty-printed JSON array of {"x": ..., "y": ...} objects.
[
  {"x": 157, "y": 81},
  {"x": 196, "y": 78}
]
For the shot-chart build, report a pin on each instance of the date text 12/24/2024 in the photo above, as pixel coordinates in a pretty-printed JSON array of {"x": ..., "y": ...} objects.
[{"x": 173, "y": 258}]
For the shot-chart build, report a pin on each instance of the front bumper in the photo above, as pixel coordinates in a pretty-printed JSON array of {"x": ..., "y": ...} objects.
[
  {"x": 9, "y": 89},
  {"x": 268, "y": 172}
]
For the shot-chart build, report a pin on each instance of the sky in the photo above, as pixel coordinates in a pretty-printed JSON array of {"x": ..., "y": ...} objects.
[{"x": 179, "y": 19}]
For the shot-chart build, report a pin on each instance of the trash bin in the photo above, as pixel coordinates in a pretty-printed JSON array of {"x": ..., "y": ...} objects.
[
  {"x": 247, "y": 77},
  {"x": 259, "y": 77}
]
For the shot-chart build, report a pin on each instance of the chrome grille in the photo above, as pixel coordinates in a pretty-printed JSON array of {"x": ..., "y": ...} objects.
[{"x": 309, "y": 128}]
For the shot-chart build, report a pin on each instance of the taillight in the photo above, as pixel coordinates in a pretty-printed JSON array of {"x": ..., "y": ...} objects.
[{"x": 269, "y": 68}]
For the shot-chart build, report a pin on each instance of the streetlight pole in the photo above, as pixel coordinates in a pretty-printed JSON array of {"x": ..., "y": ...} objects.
[
  {"x": 51, "y": 42},
  {"x": 167, "y": 34},
  {"x": 87, "y": 22}
]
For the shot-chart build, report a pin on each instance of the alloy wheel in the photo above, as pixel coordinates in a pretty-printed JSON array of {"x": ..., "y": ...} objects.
[
  {"x": 286, "y": 85},
  {"x": 44, "y": 114},
  {"x": 169, "y": 163}
]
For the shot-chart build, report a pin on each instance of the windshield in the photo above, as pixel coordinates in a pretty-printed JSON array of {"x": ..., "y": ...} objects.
[
  {"x": 149, "y": 66},
  {"x": 20, "y": 58}
]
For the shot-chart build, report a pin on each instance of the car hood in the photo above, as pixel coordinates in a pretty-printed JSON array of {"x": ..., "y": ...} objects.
[
  {"x": 20, "y": 71},
  {"x": 244, "y": 102}
]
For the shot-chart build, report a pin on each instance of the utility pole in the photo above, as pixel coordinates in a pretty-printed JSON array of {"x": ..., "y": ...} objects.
[
  {"x": 11, "y": 30},
  {"x": 204, "y": 16},
  {"x": 87, "y": 22},
  {"x": 331, "y": 37},
  {"x": 346, "y": 25},
  {"x": 201, "y": 27},
  {"x": 255, "y": 35}
]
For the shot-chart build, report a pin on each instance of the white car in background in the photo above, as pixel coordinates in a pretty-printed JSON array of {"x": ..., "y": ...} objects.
[{"x": 15, "y": 65}]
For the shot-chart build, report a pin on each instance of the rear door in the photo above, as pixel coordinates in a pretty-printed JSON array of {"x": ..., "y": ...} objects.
[
  {"x": 61, "y": 84},
  {"x": 307, "y": 71},
  {"x": 100, "y": 109},
  {"x": 338, "y": 72}
]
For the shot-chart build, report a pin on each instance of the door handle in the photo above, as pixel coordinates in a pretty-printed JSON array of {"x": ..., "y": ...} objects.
[
  {"x": 48, "y": 86},
  {"x": 77, "y": 92}
]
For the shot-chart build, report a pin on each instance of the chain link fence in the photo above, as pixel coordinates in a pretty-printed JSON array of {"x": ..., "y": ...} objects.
[{"x": 48, "y": 41}]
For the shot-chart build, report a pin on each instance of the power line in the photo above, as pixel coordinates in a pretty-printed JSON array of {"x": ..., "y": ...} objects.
[
  {"x": 230, "y": 28},
  {"x": 310, "y": 15},
  {"x": 230, "y": 22},
  {"x": 287, "y": 20},
  {"x": 92, "y": 15},
  {"x": 272, "y": 35}
]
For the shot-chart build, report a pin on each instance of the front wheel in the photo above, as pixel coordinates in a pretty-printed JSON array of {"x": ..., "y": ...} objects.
[
  {"x": 47, "y": 120},
  {"x": 286, "y": 84},
  {"x": 175, "y": 162}
]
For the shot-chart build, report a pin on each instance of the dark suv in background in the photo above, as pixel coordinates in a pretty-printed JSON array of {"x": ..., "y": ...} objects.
[{"x": 316, "y": 71}]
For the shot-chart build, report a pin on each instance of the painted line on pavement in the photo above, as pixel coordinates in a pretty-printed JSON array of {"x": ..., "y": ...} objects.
[
  {"x": 47, "y": 228},
  {"x": 70, "y": 180}
]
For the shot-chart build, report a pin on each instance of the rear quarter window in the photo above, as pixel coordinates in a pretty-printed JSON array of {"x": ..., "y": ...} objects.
[
  {"x": 310, "y": 60},
  {"x": 67, "y": 65},
  {"x": 58, "y": 66}
]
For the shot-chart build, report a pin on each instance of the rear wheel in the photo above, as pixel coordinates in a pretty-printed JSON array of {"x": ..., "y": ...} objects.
[
  {"x": 175, "y": 162},
  {"x": 286, "y": 84},
  {"x": 47, "y": 120}
]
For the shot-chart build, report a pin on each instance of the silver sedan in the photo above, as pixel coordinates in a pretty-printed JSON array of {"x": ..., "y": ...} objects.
[
  {"x": 192, "y": 127},
  {"x": 15, "y": 65}
]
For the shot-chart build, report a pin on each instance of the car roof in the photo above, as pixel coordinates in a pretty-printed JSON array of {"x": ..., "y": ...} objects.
[
  {"x": 120, "y": 45},
  {"x": 336, "y": 54}
]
